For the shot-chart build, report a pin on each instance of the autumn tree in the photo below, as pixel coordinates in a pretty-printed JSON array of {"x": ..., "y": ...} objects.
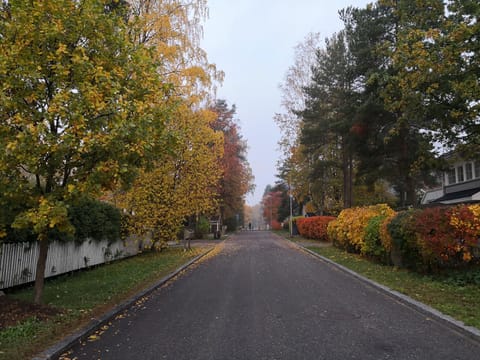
[
  {"x": 410, "y": 70},
  {"x": 80, "y": 107},
  {"x": 271, "y": 204},
  {"x": 173, "y": 29},
  {"x": 277, "y": 204},
  {"x": 237, "y": 178},
  {"x": 288, "y": 205},
  {"x": 318, "y": 99},
  {"x": 182, "y": 182},
  {"x": 295, "y": 164},
  {"x": 352, "y": 140}
]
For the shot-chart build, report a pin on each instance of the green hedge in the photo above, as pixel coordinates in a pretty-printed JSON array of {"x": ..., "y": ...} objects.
[
  {"x": 372, "y": 243},
  {"x": 404, "y": 248},
  {"x": 91, "y": 219},
  {"x": 95, "y": 219}
]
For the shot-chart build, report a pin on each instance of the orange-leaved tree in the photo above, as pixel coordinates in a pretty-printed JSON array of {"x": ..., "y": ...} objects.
[
  {"x": 271, "y": 202},
  {"x": 237, "y": 178}
]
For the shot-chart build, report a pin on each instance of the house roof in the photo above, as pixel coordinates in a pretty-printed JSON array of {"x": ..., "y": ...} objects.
[{"x": 458, "y": 195}]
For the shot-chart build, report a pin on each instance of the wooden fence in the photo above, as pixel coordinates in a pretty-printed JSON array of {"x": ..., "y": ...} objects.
[{"x": 18, "y": 260}]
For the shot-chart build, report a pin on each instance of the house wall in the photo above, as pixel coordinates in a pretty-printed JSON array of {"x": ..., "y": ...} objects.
[
  {"x": 458, "y": 177},
  {"x": 432, "y": 195},
  {"x": 467, "y": 185}
]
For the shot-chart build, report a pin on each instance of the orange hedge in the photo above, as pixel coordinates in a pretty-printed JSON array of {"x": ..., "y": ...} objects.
[{"x": 314, "y": 227}]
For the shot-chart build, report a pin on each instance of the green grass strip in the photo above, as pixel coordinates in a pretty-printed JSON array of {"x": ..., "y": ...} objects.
[
  {"x": 456, "y": 294},
  {"x": 84, "y": 294}
]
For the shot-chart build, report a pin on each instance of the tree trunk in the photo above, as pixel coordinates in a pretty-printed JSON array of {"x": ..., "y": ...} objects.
[
  {"x": 408, "y": 187},
  {"x": 347, "y": 197},
  {"x": 350, "y": 179},
  {"x": 411, "y": 193},
  {"x": 40, "y": 273}
]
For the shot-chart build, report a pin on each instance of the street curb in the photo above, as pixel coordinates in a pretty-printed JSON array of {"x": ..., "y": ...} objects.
[
  {"x": 62, "y": 346},
  {"x": 446, "y": 320}
]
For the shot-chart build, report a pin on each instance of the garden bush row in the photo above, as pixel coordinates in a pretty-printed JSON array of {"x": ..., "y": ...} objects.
[{"x": 423, "y": 239}]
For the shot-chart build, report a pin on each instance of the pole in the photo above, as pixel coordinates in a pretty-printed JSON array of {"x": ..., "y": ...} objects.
[
  {"x": 291, "y": 216},
  {"x": 291, "y": 207}
]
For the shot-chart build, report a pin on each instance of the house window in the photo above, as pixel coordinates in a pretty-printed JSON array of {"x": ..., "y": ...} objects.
[
  {"x": 460, "y": 176},
  {"x": 451, "y": 177},
  {"x": 477, "y": 169},
  {"x": 468, "y": 171}
]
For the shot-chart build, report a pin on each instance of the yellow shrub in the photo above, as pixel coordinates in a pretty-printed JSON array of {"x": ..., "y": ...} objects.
[{"x": 348, "y": 231}]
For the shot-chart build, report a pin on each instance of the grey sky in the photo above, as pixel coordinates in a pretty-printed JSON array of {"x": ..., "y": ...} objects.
[{"x": 252, "y": 42}]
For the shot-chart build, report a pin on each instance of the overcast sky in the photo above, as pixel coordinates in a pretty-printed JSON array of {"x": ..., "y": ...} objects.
[{"x": 252, "y": 42}]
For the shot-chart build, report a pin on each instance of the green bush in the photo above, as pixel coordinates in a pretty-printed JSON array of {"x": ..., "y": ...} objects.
[
  {"x": 404, "y": 240},
  {"x": 372, "y": 245},
  {"x": 18, "y": 235},
  {"x": 95, "y": 220},
  {"x": 202, "y": 227},
  {"x": 92, "y": 219},
  {"x": 231, "y": 224}
]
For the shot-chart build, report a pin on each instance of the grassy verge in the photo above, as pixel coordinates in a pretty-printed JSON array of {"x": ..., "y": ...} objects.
[
  {"x": 301, "y": 240},
  {"x": 456, "y": 294},
  {"x": 83, "y": 295}
]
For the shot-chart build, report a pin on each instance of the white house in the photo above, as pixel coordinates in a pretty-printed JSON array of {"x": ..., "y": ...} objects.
[{"x": 460, "y": 184}]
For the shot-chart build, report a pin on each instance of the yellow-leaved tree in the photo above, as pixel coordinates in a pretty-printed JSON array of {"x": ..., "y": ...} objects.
[
  {"x": 81, "y": 107},
  {"x": 182, "y": 183},
  {"x": 173, "y": 29}
]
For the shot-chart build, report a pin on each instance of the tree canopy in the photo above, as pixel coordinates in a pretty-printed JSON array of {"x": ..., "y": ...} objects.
[
  {"x": 81, "y": 106},
  {"x": 111, "y": 100},
  {"x": 399, "y": 80}
]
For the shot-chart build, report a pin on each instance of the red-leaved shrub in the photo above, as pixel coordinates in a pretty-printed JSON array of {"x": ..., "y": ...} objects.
[
  {"x": 447, "y": 236},
  {"x": 314, "y": 227}
]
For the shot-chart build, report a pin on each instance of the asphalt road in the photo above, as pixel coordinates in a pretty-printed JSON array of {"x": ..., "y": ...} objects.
[{"x": 262, "y": 298}]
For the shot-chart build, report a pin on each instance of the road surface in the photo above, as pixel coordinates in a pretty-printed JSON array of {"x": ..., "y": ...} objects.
[{"x": 262, "y": 298}]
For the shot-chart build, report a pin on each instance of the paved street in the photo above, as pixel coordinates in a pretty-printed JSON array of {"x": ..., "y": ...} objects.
[{"x": 261, "y": 298}]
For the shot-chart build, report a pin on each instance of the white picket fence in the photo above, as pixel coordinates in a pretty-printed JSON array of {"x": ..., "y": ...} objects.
[{"x": 18, "y": 260}]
